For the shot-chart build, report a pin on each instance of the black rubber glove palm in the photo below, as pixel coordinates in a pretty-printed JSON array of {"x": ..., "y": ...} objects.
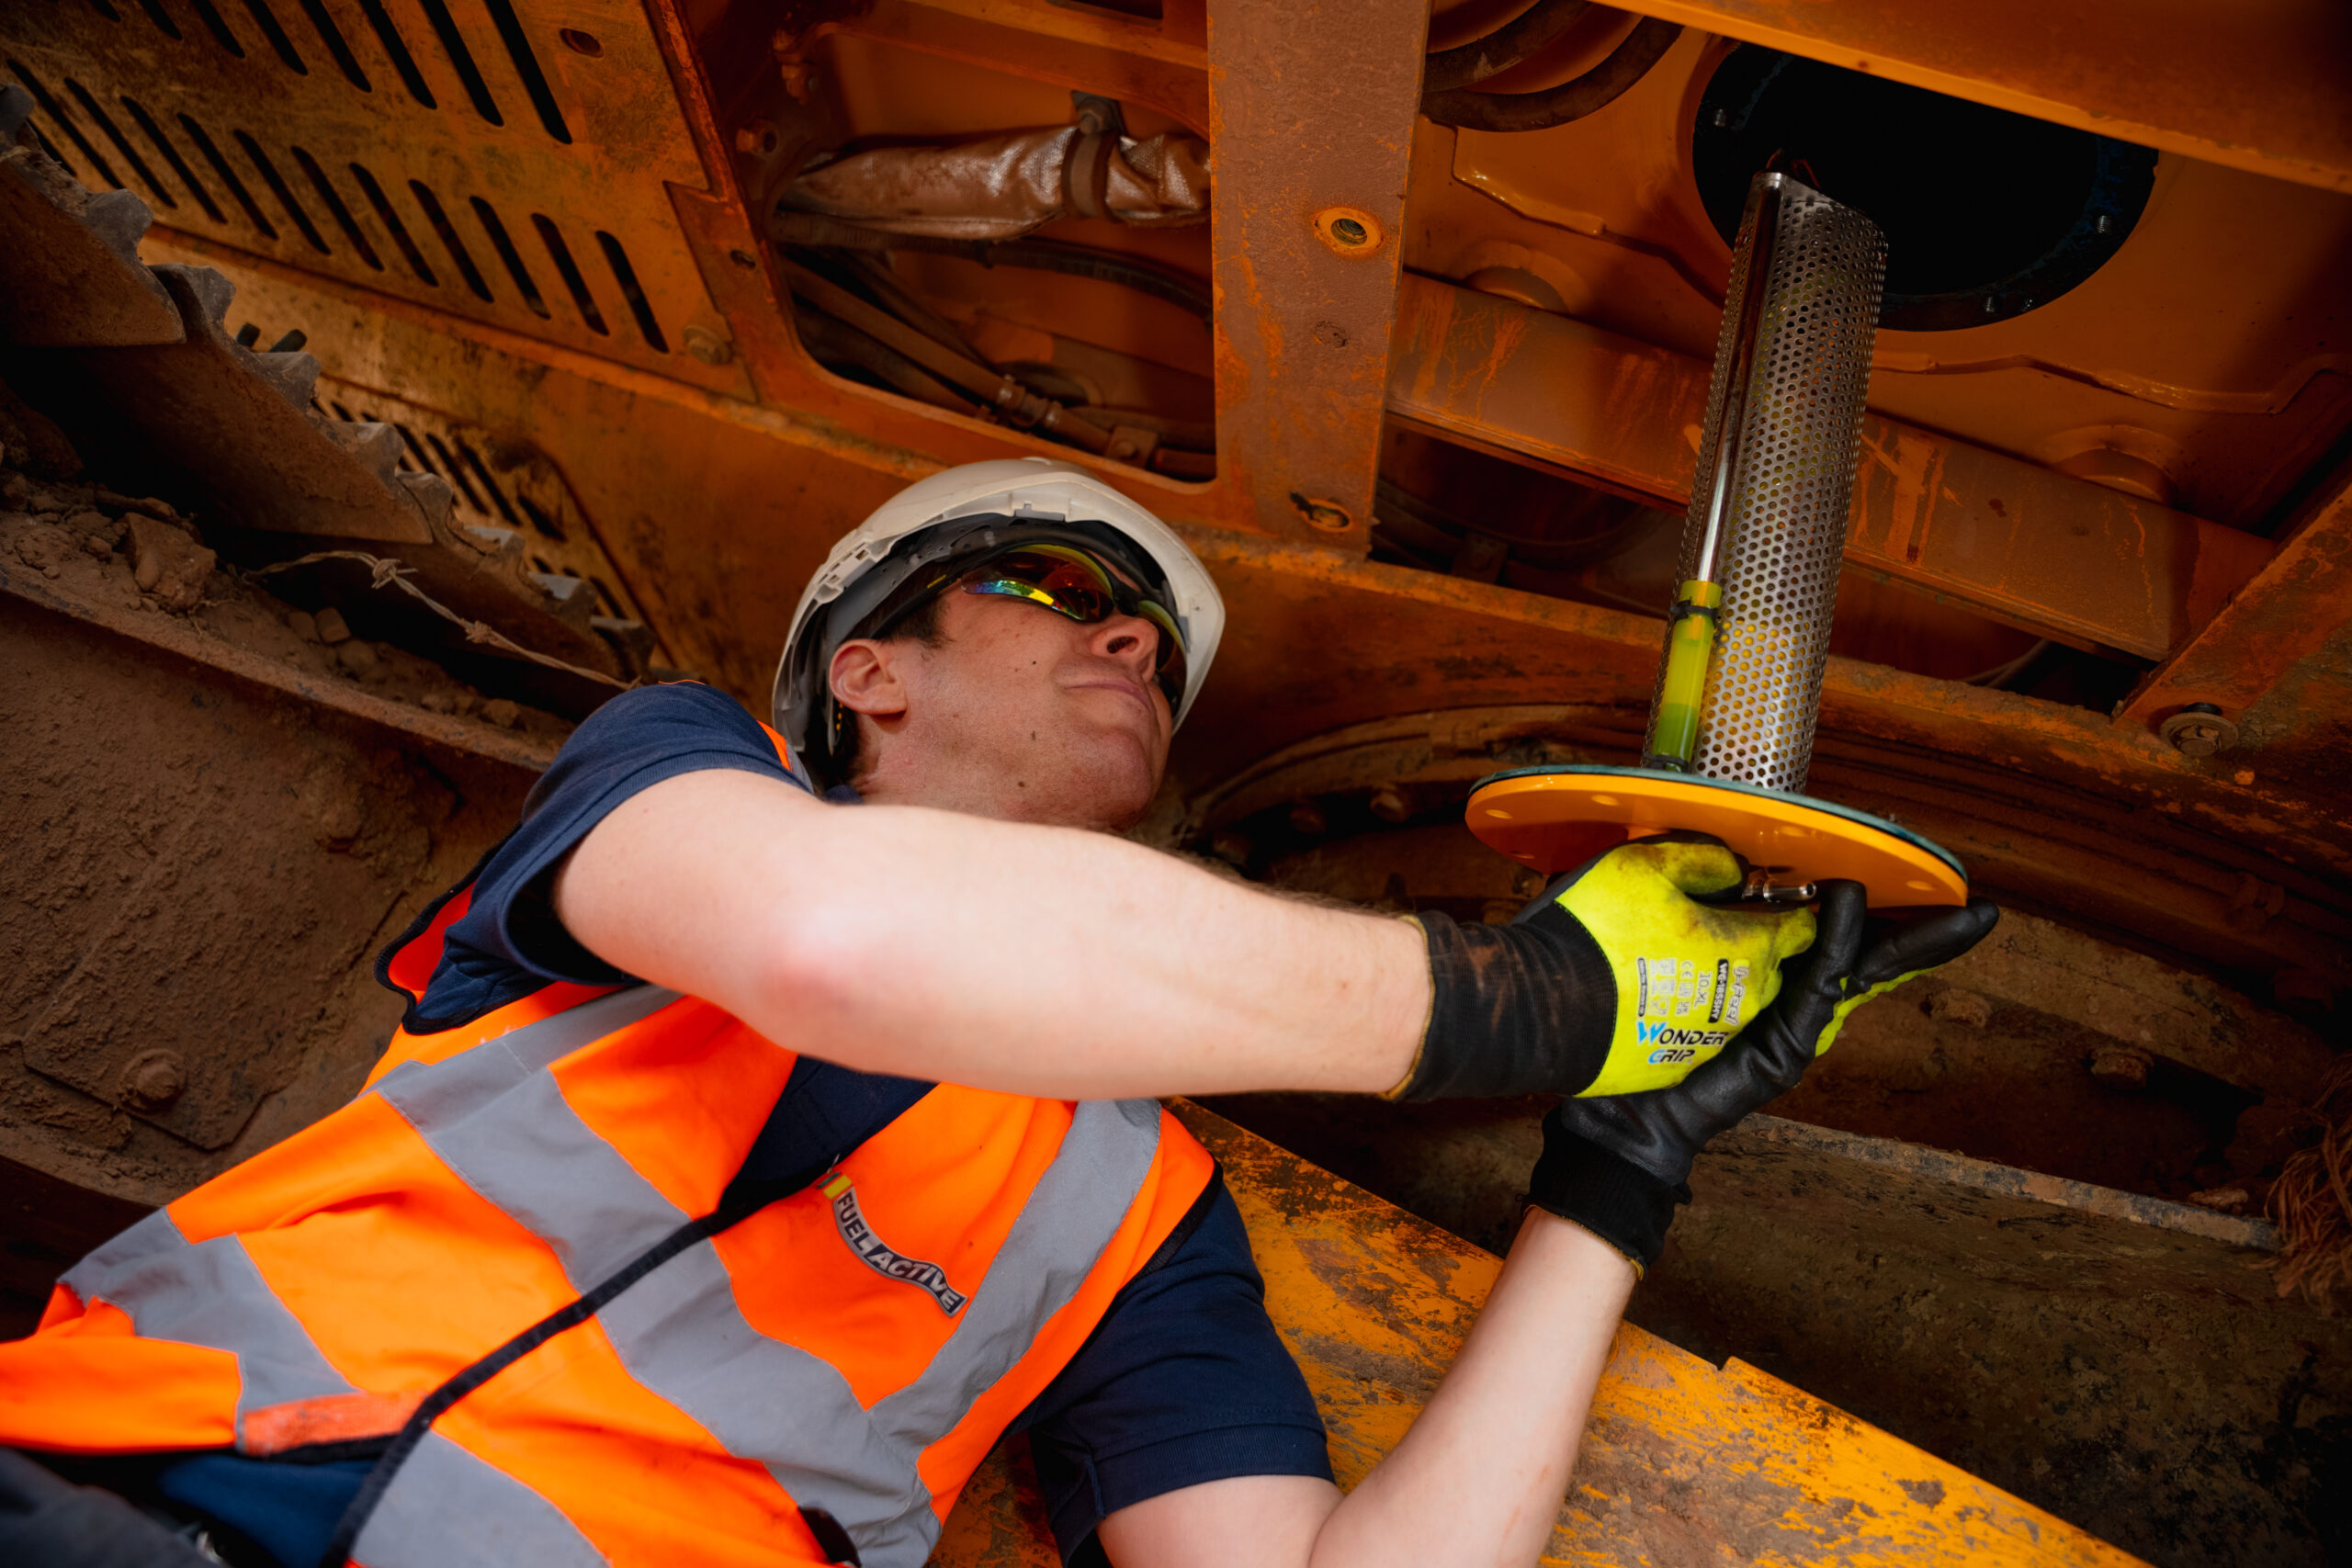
[{"x": 1617, "y": 1165}]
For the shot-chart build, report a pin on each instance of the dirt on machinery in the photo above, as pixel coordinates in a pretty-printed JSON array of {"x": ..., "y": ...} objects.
[{"x": 203, "y": 860}]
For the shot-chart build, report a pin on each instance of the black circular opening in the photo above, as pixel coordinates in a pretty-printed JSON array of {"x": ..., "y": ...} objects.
[{"x": 1987, "y": 214}]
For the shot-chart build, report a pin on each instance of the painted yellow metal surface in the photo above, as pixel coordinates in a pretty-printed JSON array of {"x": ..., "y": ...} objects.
[{"x": 1683, "y": 1462}]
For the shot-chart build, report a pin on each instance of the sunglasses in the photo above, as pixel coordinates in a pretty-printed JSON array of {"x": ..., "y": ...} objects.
[{"x": 1073, "y": 582}]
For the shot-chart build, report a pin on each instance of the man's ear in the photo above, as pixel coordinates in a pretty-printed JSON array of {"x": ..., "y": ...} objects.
[{"x": 864, "y": 678}]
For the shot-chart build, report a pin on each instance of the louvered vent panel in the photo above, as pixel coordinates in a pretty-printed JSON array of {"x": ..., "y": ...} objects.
[
  {"x": 476, "y": 156},
  {"x": 498, "y": 484}
]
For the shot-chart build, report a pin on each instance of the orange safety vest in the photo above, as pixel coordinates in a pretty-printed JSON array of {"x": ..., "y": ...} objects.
[{"x": 857, "y": 1347}]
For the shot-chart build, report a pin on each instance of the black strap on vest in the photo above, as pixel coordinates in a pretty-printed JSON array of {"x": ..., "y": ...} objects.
[{"x": 824, "y": 1112}]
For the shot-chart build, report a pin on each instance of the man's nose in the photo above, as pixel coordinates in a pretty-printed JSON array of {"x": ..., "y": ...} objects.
[{"x": 1130, "y": 640}]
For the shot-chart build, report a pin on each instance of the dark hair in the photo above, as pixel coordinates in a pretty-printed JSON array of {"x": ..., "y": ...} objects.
[{"x": 919, "y": 623}]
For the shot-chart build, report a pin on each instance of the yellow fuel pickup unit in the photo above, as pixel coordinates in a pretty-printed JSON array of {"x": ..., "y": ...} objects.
[{"x": 1730, "y": 739}]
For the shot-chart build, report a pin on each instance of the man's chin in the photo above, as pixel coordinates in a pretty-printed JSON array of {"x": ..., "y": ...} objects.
[{"x": 1113, "y": 783}]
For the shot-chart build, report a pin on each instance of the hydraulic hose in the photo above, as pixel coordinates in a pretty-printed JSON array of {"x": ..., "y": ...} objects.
[
  {"x": 787, "y": 227},
  {"x": 1597, "y": 89},
  {"x": 1003, "y": 396},
  {"x": 834, "y": 342},
  {"x": 1502, "y": 49}
]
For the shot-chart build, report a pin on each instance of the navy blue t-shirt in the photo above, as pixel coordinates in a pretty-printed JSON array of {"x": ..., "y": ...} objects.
[{"x": 1183, "y": 1381}]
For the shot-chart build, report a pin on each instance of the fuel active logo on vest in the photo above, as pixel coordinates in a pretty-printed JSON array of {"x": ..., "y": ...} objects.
[{"x": 879, "y": 1255}]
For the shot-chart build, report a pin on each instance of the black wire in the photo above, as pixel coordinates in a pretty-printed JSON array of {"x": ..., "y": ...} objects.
[
  {"x": 787, "y": 227},
  {"x": 835, "y": 344}
]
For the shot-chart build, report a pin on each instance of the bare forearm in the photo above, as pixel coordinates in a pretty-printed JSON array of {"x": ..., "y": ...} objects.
[
  {"x": 1031, "y": 960},
  {"x": 1480, "y": 1477}
]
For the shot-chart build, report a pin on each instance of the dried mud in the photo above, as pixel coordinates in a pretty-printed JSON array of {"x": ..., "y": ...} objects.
[
  {"x": 141, "y": 555},
  {"x": 199, "y": 867}
]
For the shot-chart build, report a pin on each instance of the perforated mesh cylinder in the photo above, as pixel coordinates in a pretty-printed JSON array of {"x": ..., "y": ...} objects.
[{"x": 1776, "y": 474}]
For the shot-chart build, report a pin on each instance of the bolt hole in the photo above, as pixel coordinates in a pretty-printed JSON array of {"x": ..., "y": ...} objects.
[
  {"x": 1349, "y": 232},
  {"x": 579, "y": 43}
]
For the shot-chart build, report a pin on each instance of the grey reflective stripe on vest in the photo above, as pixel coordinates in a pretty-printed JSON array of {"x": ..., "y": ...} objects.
[
  {"x": 552, "y": 1039},
  {"x": 500, "y": 1121},
  {"x": 681, "y": 1334},
  {"x": 208, "y": 1292},
  {"x": 1072, "y": 1213},
  {"x": 496, "y": 1116},
  {"x": 449, "y": 1509}
]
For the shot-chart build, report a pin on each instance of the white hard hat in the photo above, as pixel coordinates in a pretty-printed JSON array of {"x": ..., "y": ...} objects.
[{"x": 968, "y": 511}]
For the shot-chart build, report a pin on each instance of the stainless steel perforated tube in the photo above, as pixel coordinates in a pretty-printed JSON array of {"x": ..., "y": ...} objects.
[{"x": 1767, "y": 525}]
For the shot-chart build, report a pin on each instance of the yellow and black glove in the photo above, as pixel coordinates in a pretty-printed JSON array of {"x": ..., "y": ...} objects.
[
  {"x": 1616, "y": 980},
  {"x": 1617, "y": 1164}
]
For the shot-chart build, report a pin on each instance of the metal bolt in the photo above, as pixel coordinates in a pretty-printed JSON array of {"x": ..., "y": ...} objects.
[
  {"x": 155, "y": 1079},
  {"x": 758, "y": 138},
  {"x": 2120, "y": 1068},
  {"x": 1723, "y": 119},
  {"x": 709, "y": 346},
  {"x": 1231, "y": 847},
  {"x": 1991, "y": 304},
  {"x": 1307, "y": 817},
  {"x": 1391, "y": 803},
  {"x": 1329, "y": 515},
  {"x": 2199, "y": 730},
  {"x": 2106, "y": 224},
  {"x": 1347, "y": 231}
]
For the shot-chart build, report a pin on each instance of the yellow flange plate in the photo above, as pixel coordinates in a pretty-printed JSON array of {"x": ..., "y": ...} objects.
[{"x": 1558, "y": 818}]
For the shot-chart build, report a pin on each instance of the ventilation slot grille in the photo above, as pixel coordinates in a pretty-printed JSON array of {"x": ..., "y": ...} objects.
[
  {"x": 639, "y": 307},
  {"x": 163, "y": 143},
  {"x": 510, "y": 486},
  {"x": 288, "y": 46},
  {"x": 347, "y": 137}
]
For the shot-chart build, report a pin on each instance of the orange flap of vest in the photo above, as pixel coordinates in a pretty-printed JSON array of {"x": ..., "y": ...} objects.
[{"x": 87, "y": 1384}]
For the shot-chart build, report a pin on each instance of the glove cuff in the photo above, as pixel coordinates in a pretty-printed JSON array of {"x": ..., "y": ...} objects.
[
  {"x": 1616, "y": 1200},
  {"x": 1524, "y": 1009}
]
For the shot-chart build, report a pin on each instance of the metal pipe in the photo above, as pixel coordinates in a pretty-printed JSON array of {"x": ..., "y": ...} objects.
[
  {"x": 1727, "y": 398},
  {"x": 1692, "y": 621},
  {"x": 1747, "y": 637}
]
